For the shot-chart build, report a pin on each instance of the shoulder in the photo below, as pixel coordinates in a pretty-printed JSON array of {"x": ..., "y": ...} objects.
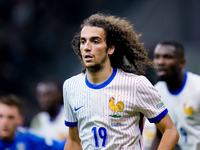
[
  {"x": 128, "y": 75},
  {"x": 70, "y": 84},
  {"x": 39, "y": 119},
  {"x": 160, "y": 84},
  {"x": 25, "y": 133},
  {"x": 25, "y": 139},
  {"x": 193, "y": 77},
  {"x": 134, "y": 79},
  {"x": 193, "y": 82},
  {"x": 74, "y": 79},
  {"x": 41, "y": 116}
]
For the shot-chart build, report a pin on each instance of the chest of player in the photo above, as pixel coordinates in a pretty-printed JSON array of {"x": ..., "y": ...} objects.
[
  {"x": 105, "y": 105},
  {"x": 185, "y": 106}
]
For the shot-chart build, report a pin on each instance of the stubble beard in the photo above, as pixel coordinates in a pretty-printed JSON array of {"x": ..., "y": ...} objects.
[
  {"x": 161, "y": 78},
  {"x": 97, "y": 66}
]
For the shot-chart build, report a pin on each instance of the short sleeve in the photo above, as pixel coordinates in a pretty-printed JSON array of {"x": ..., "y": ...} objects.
[
  {"x": 148, "y": 100},
  {"x": 68, "y": 97}
]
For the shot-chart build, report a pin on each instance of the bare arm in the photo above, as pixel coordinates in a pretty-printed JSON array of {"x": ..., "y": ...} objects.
[
  {"x": 170, "y": 134},
  {"x": 156, "y": 140},
  {"x": 73, "y": 140}
]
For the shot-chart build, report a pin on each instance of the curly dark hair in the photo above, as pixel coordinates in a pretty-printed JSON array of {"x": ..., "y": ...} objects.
[{"x": 129, "y": 54}]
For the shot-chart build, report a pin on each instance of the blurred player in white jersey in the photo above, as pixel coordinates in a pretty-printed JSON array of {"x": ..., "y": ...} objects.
[
  {"x": 180, "y": 92},
  {"x": 106, "y": 104},
  {"x": 49, "y": 123}
]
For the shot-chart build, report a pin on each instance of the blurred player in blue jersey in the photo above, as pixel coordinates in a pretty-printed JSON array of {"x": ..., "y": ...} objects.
[
  {"x": 106, "y": 104},
  {"x": 13, "y": 136},
  {"x": 180, "y": 92}
]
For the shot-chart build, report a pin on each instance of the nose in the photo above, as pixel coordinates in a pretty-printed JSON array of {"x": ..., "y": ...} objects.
[
  {"x": 159, "y": 62},
  {"x": 87, "y": 46}
]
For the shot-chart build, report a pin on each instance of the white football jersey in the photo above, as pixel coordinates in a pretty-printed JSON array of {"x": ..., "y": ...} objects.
[
  {"x": 110, "y": 115},
  {"x": 43, "y": 126},
  {"x": 184, "y": 109}
]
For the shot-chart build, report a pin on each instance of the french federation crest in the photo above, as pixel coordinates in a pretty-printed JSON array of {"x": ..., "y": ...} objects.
[{"x": 117, "y": 109}]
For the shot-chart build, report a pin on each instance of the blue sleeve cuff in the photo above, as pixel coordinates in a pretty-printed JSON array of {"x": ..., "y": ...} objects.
[
  {"x": 159, "y": 117},
  {"x": 71, "y": 124}
]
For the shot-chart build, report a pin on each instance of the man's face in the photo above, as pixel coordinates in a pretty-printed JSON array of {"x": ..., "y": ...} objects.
[
  {"x": 166, "y": 61},
  {"x": 10, "y": 118},
  {"x": 94, "y": 50},
  {"x": 48, "y": 96}
]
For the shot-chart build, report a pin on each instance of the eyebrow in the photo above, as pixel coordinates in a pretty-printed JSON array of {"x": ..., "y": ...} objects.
[{"x": 92, "y": 38}]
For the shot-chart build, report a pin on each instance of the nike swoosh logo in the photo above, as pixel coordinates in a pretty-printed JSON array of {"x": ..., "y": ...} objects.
[{"x": 77, "y": 108}]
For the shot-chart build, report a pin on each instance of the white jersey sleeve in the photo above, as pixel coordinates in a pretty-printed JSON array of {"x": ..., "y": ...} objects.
[
  {"x": 68, "y": 93},
  {"x": 149, "y": 102}
]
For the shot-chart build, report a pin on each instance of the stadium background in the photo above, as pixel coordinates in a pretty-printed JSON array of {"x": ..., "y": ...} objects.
[{"x": 35, "y": 37}]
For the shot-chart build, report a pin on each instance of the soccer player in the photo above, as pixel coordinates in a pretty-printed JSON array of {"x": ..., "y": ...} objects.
[
  {"x": 49, "y": 123},
  {"x": 180, "y": 92},
  {"x": 106, "y": 104},
  {"x": 13, "y": 136}
]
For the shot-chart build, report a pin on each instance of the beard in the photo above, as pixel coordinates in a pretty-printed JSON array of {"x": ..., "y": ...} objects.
[
  {"x": 161, "y": 78},
  {"x": 97, "y": 66},
  {"x": 94, "y": 68}
]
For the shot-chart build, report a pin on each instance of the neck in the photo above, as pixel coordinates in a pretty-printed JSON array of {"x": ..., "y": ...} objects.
[
  {"x": 175, "y": 83},
  {"x": 9, "y": 139},
  {"x": 54, "y": 112},
  {"x": 99, "y": 76}
]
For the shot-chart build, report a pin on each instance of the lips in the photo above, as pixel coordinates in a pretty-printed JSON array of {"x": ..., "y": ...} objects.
[
  {"x": 5, "y": 129},
  {"x": 88, "y": 57},
  {"x": 161, "y": 72}
]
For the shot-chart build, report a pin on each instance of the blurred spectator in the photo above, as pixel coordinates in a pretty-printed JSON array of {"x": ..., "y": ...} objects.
[
  {"x": 14, "y": 137},
  {"x": 35, "y": 35},
  {"x": 50, "y": 122}
]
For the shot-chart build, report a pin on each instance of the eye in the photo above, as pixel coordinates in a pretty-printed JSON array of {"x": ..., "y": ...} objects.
[
  {"x": 82, "y": 41},
  {"x": 168, "y": 57},
  {"x": 96, "y": 41},
  {"x": 156, "y": 56},
  {"x": 11, "y": 117}
]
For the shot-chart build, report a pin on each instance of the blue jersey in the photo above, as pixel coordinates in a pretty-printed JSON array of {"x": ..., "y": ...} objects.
[{"x": 25, "y": 140}]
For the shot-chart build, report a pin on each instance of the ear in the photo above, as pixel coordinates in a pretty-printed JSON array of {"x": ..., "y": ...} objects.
[
  {"x": 182, "y": 62},
  {"x": 21, "y": 120},
  {"x": 111, "y": 49}
]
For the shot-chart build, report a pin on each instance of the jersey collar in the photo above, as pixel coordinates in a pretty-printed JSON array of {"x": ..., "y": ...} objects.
[
  {"x": 99, "y": 86},
  {"x": 182, "y": 87}
]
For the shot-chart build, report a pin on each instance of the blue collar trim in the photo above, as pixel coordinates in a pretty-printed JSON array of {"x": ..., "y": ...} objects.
[
  {"x": 99, "y": 86},
  {"x": 183, "y": 85}
]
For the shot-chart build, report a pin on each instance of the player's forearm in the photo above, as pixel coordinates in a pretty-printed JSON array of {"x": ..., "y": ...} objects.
[
  {"x": 169, "y": 140},
  {"x": 71, "y": 145}
]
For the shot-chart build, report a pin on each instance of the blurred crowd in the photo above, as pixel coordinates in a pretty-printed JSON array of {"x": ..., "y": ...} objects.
[
  {"x": 32, "y": 36},
  {"x": 35, "y": 42}
]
